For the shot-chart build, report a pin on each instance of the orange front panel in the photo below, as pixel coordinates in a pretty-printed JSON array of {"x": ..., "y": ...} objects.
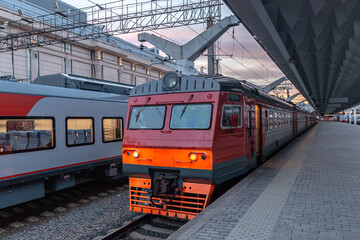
[
  {"x": 178, "y": 158},
  {"x": 191, "y": 201}
]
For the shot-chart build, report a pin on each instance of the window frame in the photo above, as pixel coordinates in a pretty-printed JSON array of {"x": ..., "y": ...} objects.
[
  {"x": 122, "y": 129},
  {"x": 234, "y": 97},
  {"x": 163, "y": 124},
  {"x": 271, "y": 119},
  {"x": 200, "y": 129},
  {"x": 266, "y": 120},
  {"x": 222, "y": 115},
  {"x": 66, "y": 131},
  {"x": 32, "y": 118}
]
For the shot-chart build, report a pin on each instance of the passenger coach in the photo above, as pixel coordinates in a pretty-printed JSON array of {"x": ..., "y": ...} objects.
[
  {"x": 51, "y": 138},
  {"x": 185, "y": 135}
]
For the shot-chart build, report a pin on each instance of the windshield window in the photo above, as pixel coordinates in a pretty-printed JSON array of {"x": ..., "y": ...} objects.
[
  {"x": 191, "y": 116},
  {"x": 147, "y": 117}
]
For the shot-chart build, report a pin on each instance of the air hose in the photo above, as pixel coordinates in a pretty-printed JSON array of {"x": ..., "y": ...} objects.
[{"x": 162, "y": 204}]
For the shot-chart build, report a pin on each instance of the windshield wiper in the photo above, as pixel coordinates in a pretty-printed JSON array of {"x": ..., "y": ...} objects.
[
  {"x": 183, "y": 111},
  {"x": 138, "y": 114}
]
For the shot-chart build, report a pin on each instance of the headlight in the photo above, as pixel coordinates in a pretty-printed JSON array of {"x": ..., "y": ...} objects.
[
  {"x": 171, "y": 81},
  {"x": 193, "y": 157},
  {"x": 135, "y": 154}
]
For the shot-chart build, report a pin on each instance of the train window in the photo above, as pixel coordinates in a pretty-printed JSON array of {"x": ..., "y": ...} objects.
[
  {"x": 112, "y": 129},
  {"x": 79, "y": 131},
  {"x": 289, "y": 120},
  {"x": 271, "y": 120},
  {"x": 26, "y": 134},
  {"x": 284, "y": 119},
  {"x": 279, "y": 120},
  {"x": 275, "y": 119},
  {"x": 228, "y": 111},
  {"x": 191, "y": 116},
  {"x": 147, "y": 117},
  {"x": 266, "y": 120}
]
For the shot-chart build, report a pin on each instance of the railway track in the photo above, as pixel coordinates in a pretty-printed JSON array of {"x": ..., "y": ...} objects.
[
  {"x": 145, "y": 227},
  {"x": 55, "y": 202}
]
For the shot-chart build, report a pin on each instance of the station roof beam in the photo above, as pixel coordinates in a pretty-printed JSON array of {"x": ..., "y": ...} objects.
[
  {"x": 186, "y": 54},
  {"x": 316, "y": 43},
  {"x": 292, "y": 97}
]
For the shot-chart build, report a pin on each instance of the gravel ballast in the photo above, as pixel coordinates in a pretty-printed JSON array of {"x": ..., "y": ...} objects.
[{"x": 83, "y": 221}]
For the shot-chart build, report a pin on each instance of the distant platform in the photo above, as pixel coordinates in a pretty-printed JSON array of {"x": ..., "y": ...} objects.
[{"x": 309, "y": 190}]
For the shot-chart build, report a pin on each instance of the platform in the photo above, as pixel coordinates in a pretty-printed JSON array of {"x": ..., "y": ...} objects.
[{"x": 309, "y": 190}]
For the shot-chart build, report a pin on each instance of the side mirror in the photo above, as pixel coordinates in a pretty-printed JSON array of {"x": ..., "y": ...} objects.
[{"x": 234, "y": 120}]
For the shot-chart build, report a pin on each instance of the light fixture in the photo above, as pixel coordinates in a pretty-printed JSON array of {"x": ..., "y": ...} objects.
[
  {"x": 26, "y": 19},
  {"x": 135, "y": 154},
  {"x": 57, "y": 10},
  {"x": 3, "y": 26},
  {"x": 193, "y": 156},
  {"x": 171, "y": 81}
]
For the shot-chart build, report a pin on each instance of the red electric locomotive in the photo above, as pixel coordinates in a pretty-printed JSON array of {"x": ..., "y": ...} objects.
[{"x": 184, "y": 135}]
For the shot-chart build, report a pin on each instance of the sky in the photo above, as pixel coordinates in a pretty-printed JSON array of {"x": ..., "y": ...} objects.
[{"x": 240, "y": 55}]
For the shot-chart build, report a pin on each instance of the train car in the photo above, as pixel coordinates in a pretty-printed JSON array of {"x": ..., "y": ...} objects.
[
  {"x": 51, "y": 138},
  {"x": 185, "y": 135},
  {"x": 344, "y": 118}
]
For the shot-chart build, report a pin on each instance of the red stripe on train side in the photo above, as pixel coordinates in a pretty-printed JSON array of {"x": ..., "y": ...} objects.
[
  {"x": 17, "y": 104},
  {"x": 49, "y": 169}
]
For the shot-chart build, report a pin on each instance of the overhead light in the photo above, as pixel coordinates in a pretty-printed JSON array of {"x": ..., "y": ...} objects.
[
  {"x": 26, "y": 19},
  {"x": 56, "y": 6},
  {"x": 3, "y": 26},
  {"x": 57, "y": 10}
]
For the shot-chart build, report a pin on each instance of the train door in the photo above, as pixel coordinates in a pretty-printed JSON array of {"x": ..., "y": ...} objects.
[
  {"x": 294, "y": 122},
  {"x": 250, "y": 131},
  {"x": 258, "y": 133}
]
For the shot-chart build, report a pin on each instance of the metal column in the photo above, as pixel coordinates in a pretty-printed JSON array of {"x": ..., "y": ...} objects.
[
  {"x": 354, "y": 116},
  {"x": 211, "y": 52},
  {"x": 349, "y": 116}
]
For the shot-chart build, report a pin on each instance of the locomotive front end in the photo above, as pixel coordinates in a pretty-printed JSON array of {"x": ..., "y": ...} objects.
[{"x": 168, "y": 141}]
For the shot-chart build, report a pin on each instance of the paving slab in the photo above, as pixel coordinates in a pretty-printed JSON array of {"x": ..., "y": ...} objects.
[{"x": 309, "y": 190}]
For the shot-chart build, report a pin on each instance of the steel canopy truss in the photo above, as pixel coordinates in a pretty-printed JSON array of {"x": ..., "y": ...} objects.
[
  {"x": 316, "y": 43},
  {"x": 105, "y": 20}
]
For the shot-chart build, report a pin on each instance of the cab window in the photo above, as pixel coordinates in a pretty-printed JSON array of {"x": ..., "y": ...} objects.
[
  {"x": 228, "y": 112},
  {"x": 191, "y": 116},
  {"x": 147, "y": 117}
]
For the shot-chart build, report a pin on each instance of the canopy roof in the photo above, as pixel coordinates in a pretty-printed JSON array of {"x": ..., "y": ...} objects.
[{"x": 316, "y": 43}]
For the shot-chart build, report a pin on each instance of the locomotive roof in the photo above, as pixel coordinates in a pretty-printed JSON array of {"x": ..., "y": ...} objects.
[
  {"x": 50, "y": 91},
  {"x": 205, "y": 83},
  {"x": 83, "y": 83}
]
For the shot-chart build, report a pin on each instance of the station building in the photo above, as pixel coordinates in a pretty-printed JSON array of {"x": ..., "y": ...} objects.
[{"x": 108, "y": 58}]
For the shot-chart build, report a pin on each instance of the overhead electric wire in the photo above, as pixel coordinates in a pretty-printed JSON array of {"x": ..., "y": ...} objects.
[
  {"x": 233, "y": 71},
  {"x": 252, "y": 55},
  {"x": 232, "y": 57}
]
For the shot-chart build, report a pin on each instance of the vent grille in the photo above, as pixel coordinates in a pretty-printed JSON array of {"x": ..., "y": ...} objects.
[{"x": 186, "y": 203}]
